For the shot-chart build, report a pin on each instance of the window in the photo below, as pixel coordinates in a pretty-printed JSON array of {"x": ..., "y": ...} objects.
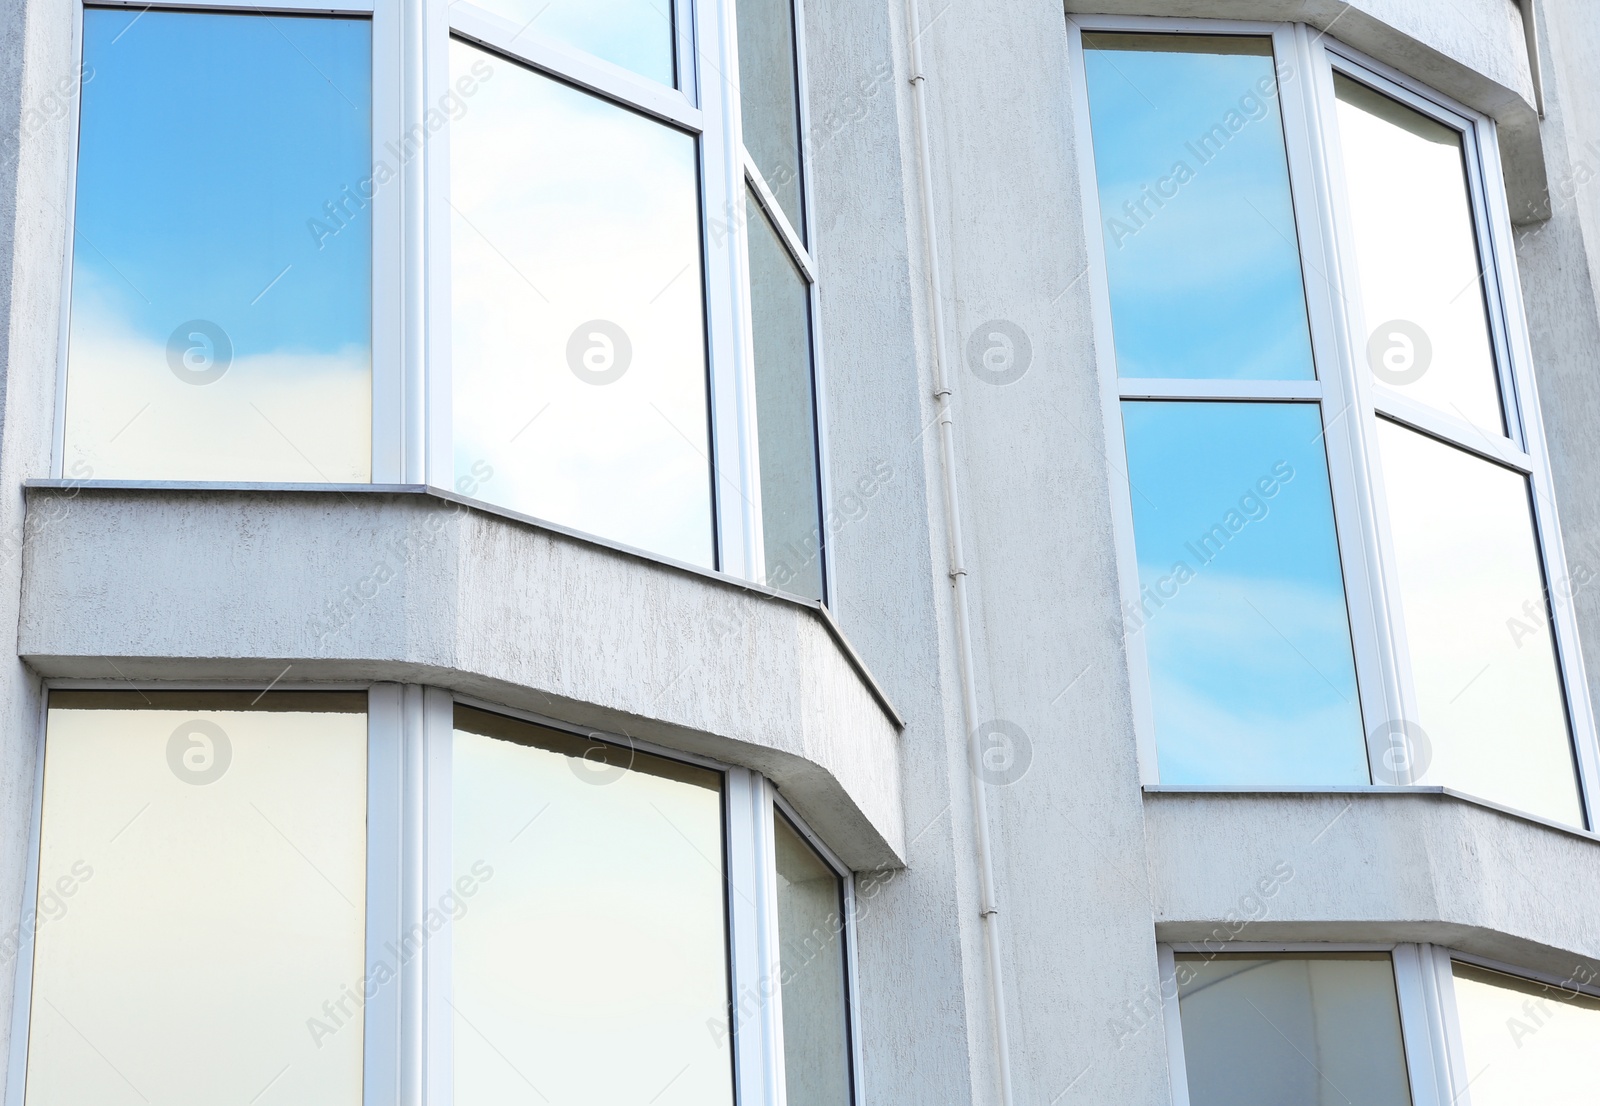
[
  {"x": 244, "y": 896},
  {"x": 201, "y": 893},
  {"x": 1320, "y": 1029},
  {"x": 813, "y": 972},
  {"x": 1386, "y": 1025},
  {"x": 573, "y": 282},
  {"x": 1341, "y": 559},
  {"x": 1523, "y": 1041},
  {"x": 221, "y": 309},
  {"x": 607, "y": 903}
]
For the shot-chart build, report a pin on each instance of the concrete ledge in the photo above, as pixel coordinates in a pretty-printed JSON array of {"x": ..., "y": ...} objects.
[
  {"x": 1391, "y": 865},
  {"x": 175, "y": 583},
  {"x": 1472, "y": 50}
]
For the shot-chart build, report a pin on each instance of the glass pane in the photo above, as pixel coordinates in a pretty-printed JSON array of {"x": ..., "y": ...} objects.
[
  {"x": 1421, "y": 281},
  {"x": 1242, "y": 599},
  {"x": 635, "y": 34},
  {"x": 780, "y": 316},
  {"x": 1242, "y": 602},
  {"x": 1525, "y": 1042},
  {"x": 222, "y": 249},
  {"x": 816, "y": 1021},
  {"x": 578, "y": 332},
  {"x": 1483, "y": 661},
  {"x": 1202, "y": 254},
  {"x": 1313, "y": 1031},
  {"x": 769, "y": 100},
  {"x": 202, "y": 892},
  {"x": 588, "y": 945}
]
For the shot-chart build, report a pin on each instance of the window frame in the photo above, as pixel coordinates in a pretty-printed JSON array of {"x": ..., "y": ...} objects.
[
  {"x": 1424, "y": 992},
  {"x": 408, "y": 1025},
  {"x": 412, "y": 399},
  {"x": 387, "y": 203},
  {"x": 1365, "y": 549}
]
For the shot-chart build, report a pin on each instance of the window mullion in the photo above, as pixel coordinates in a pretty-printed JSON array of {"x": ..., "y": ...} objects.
[
  {"x": 736, "y": 473},
  {"x": 752, "y": 982},
  {"x": 389, "y": 251},
  {"x": 1422, "y": 1024},
  {"x": 1348, "y": 419},
  {"x": 1304, "y": 97}
]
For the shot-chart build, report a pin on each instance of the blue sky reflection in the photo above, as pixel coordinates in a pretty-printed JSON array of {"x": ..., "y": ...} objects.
[
  {"x": 211, "y": 148},
  {"x": 1201, "y": 251},
  {"x": 1243, "y": 608}
]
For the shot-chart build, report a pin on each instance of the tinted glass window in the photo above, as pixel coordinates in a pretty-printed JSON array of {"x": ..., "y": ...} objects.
[
  {"x": 591, "y": 962},
  {"x": 221, "y": 309},
  {"x": 1313, "y": 1031},
  {"x": 202, "y": 896},
  {"x": 578, "y": 329},
  {"x": 1200, "y": 242},
  {"x": 1242, "y": 608}
]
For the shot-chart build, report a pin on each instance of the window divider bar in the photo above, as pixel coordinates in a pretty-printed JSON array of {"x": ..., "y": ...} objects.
[
  {"x": 774, "y": 212},
  {"x": 748, "y": 977},
  {"x": 575, "y": 68},
  {"x": 1245, "y": 391},
  {"x": 385, "y": 833},
  {"x": 1421, "y": 1025},
  {"x": 389, "y": 248},
  {"x": 431, "y": 459},
  {"x": 1452, "y": 431},
  {"x": 1307, "y": 102}
]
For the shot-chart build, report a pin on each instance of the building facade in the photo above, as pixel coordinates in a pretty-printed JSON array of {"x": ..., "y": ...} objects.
[{"x": 750, "y": 551}]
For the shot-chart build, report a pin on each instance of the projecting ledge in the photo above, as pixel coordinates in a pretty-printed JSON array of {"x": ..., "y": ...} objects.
[
  {"x": 193, "y": 583},
  {"x": 1370, "y": 865}
]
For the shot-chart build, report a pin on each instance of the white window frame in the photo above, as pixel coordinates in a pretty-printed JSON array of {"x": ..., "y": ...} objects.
[
  {"x": 1424, "y": 993},
  {"x": 411, "y": 307},
  {"x": 408, "y": 1040},
  {"x": 1342, "y": 388}
]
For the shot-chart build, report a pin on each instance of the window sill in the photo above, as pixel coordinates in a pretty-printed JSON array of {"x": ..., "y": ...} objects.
[{"x": 1420, "y": 790}]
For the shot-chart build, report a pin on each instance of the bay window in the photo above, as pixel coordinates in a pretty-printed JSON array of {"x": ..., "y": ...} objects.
[
  {"x": 1386, "y": 1025},
  {"x": 550, "y": 257},
  {"x": 1336, "y": 515},
  {"x": 312, "y": 896}
]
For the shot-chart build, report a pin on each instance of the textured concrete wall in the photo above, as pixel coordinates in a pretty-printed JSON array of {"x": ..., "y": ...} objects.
[
  {"x": 36, "y": 64},
  {"x": 327, "y": 586},
  {"x": 1092, "y": 871}
]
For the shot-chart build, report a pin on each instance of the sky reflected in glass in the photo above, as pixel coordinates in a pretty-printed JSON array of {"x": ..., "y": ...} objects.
[
  {"x": 635, "y": 34},
  {"x": 1524, "y": 1042},
  {"x": 1483, "y": 660},
  {"x": 1417, "y": 256},
  {"x": 590, "y": 962},
  {"x": 1243, "y": 614},
  {"x": 1313, "y": 1031},
  {"x": 578, "y": 327},
  {"x": 1201, "y": 250},
  {"x": 222, "y": 250},
  {"x": 203, "y": 873}
]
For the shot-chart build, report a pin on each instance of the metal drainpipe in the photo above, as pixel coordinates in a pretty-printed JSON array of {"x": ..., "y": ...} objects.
[{"x": 958, "y": 571}]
